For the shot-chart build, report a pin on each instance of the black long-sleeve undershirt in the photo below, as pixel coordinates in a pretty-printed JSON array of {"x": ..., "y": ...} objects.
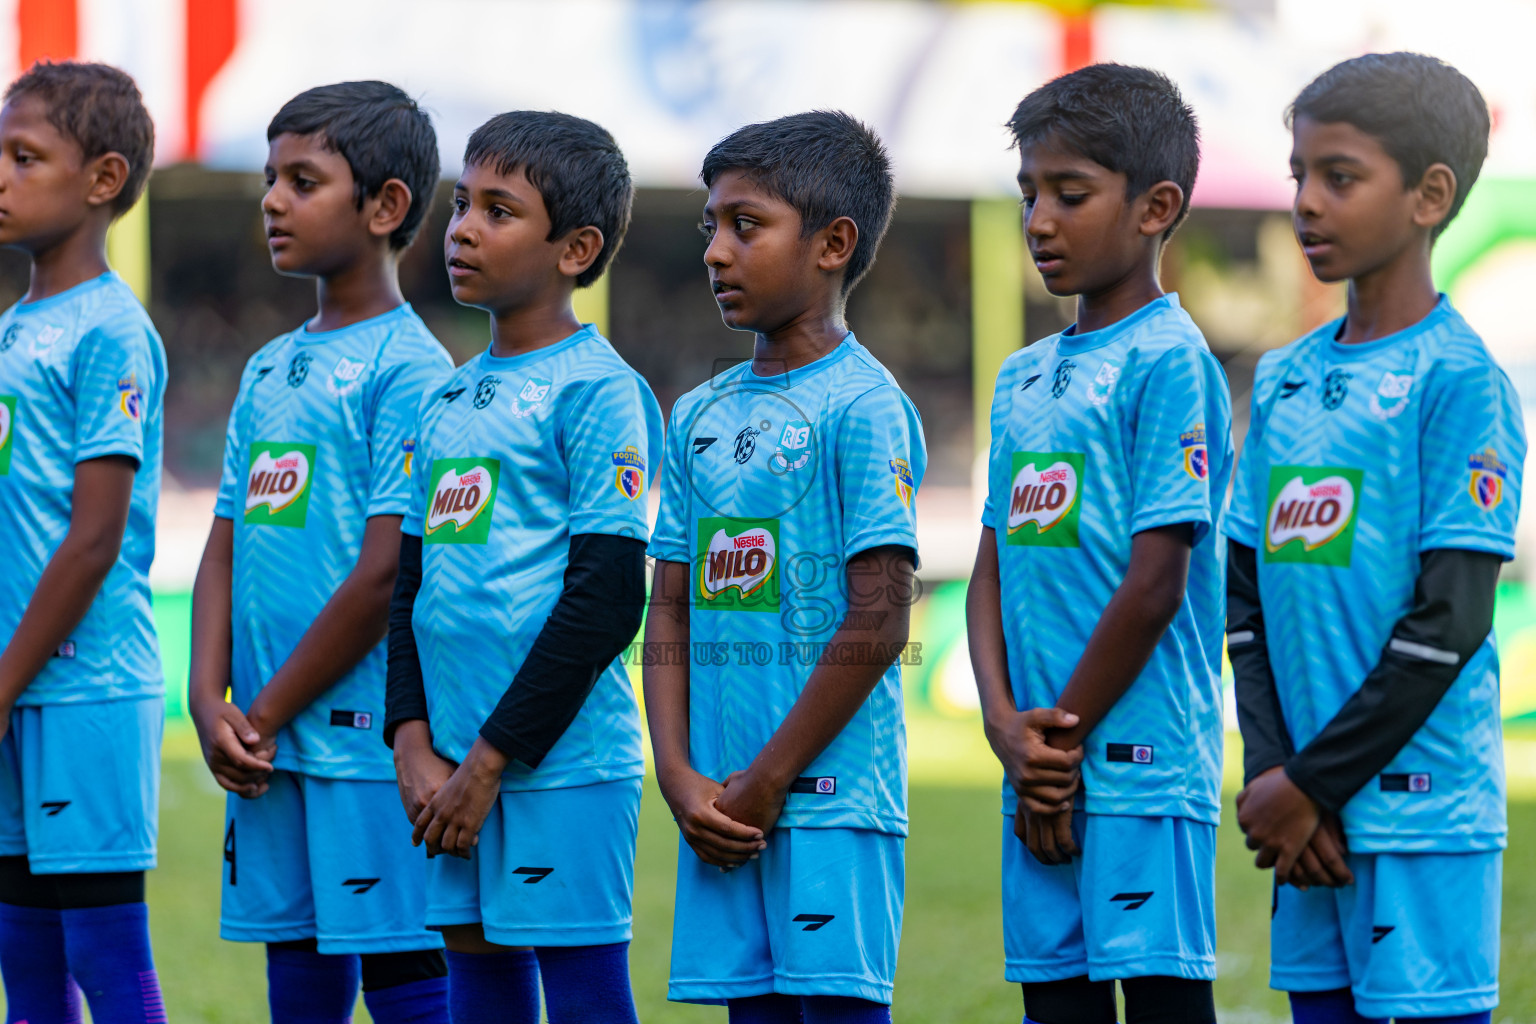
[
  {"x": 595, "y": 618},
  {"x": 1451, "y": 616}
]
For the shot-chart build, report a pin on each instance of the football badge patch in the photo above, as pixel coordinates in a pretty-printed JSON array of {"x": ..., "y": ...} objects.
[
  {"x": 629, "y": 472},
  {"x": 903, "y": 473},
  {"x": 130, "y": 398},
  {"x": 1197, "y": 461},
  {"x": 409, "y": 447},
  {"x": 1487, "y": 480}
]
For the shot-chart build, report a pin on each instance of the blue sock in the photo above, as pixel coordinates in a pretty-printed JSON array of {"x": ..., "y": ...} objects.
[
  {"x": 1485, "y": 1017},
  {"x": 770, "y": 1009},
  {"x": 1335, "y": 1007},
  {"x": 38, "y": 988},
  {"x": 415, "y": 1002},
  {"x": 587, "y": 984},
  {"x": 844, "y": 1010},
  {"x": 109, "y": 958},
  {"x": 306, "y": 987},
  {"x": 493, "y": 988}
]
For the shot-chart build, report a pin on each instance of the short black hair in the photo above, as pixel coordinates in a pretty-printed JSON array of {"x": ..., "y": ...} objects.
[
  {"x": 826, "y": 165},
  {"x": 1421, "y": 110},
  {"x": 380, "y": 132},
  {"x": 1130, "y": 120},
  {"x": 575, "y": 164},
  {"x": 100, "y": 108}
]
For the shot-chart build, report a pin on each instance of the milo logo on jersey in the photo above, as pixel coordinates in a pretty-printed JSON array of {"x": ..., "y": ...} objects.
[
  {"x": 460, "y": 500},
  {"x": 1487, "y": 483},
  {"x": 7, "y": 429},
  {"x": 1045, "y": 501},
  {"x": 738, "y": 565},
  {"x": 277, "y": 487},
  {"x": 1312, "y": 514}
]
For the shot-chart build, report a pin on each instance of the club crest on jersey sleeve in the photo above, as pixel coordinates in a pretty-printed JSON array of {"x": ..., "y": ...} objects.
[
  {"x": 738, "y": 564},
  {"x": 1197, "y": 461},
  {"x": 629, "y": 472},
  {"x": 1045, "y": 501},
  {"x": 461, "y": 500},
  {"x": 278, "y": 483},
  {"x": 1488, "y": 473},
  {"x": 903, "y": 474},
  {"x": 130, "y": 398},
  {"x": 7, "y": 431},
  {"x": 1313, "y": 511},
  {"x": 408, "y": 447}
]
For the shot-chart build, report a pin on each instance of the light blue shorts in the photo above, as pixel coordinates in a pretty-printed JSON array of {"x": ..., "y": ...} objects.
[
  {"x": 80, "y": 785},
  {"x": 325, "y": 859},
  {"x": 1417, "y": 935},
  {"x": 817, "y": 914},
  {"x": 1139, "y": 902},
  {"x": 554, "y": 867}
]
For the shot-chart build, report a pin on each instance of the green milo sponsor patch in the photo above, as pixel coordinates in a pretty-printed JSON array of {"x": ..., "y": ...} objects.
[
  {"x": 7, "y": 431},
  {"x": 1045, "y": 500},
  {"x": 738, "y": 565},
  {"x": 1313, "y": 511},
  {"x": 278, "y": 483},
  {"x": 460, "y": 500}
]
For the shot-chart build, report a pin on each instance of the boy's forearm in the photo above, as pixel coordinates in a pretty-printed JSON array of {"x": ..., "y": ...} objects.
[
  {"x": 984, "y": 636},
  {"x": 351, "y": 624},
  {"x": 212, "y": 606},
  {"x": 665, "y": 679},
  {"x": 1134, "y": 621}
]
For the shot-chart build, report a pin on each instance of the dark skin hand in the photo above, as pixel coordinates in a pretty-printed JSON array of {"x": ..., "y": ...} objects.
[
  {"x": 103, "y": 491},
  {"x": 1132, "y": 624},
  {"x": 880, "y": 583},
  {"x": 1288, "y": 830},
  {"x": 451, "y": 820},
  {"x": 710, "y": 833}
]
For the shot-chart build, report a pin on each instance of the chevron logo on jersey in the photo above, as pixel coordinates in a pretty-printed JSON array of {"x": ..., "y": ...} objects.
[
  {"x": 7, "y": 430},
  {"x": 629, "y": 477},
  {"x": 1487, "y": 484},
  {"x": 463, "y": 493},
  {"x": 1312, "y": 514},
  {"x": 1197, "y": 461},
  {"x": 738, "y": 564},
  {"x": 277, "y": 487},
  {"x": 1044, "y": 503}
]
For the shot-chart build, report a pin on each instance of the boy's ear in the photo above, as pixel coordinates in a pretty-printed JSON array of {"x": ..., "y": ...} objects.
[
  {"x": 582, "y": 247},
  {"x": 837, "y": 241},
  {"x": 1436, "y": 192},
  {"x": 1162, "y": 204},
  {"x": 109, "y": 173},
  {"x": 392, "y": 203}
]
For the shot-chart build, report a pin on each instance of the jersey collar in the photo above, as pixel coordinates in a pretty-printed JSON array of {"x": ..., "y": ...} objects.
[
  {"x": 305, "y": 336},
  {"x": 529, "y": 358},
  {"x": 1437, "y": 316},
  {"x": 789, "y": 378},
  {"x": 68, "y": 294},
  {"x": 1071, "y": 343}
]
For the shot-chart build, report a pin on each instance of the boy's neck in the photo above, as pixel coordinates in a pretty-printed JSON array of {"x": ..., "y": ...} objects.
[
  {"x": 519, "y": 330},
  {"x": 75, "y": 259},
  {"x": 798, "y": 343},
  {"x": 368, "y": 288},
  {"x": 1391, "y": 298},
  {"x": 1117, "y": 300}
]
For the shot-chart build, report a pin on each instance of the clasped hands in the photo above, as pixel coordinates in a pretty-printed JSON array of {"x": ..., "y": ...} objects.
[
  {"x": 1291, "y": 833},
  {"x": 725, "y": 824},
  {"x": 1044, "y": 778}
]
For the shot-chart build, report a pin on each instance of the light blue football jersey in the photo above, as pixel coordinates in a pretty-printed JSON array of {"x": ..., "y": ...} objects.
[
  {"x": 515, "y": 456},
  {"x": 1096, "y": 437},
  {"x": 771, "y": 485},
  {"x": 321, "y": 438},
  {"x": 1359, "y": 458},
  {"x": 82, "y": 376}
]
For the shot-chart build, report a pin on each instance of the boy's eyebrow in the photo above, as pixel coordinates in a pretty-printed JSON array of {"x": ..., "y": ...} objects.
[
  {"x": 1054, "y": 176},
  {"x": 734, "y": 204}
]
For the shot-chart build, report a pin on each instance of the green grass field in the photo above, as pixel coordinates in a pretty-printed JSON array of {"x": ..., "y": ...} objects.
[{"x": 951, "y": 944}]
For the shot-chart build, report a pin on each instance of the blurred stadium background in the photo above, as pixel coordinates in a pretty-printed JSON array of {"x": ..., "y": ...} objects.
[{"x": 950, "y": 296}]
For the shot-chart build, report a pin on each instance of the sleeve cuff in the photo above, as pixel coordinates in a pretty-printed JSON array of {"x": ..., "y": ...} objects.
[
  {"x": 1494, "y": 543},
  {"x": 101, "y": 449}
]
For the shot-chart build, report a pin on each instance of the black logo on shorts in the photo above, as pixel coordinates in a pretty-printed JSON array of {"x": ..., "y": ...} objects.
[
  {"x": 701, "y": 444},
  {"x": 485, "y": 391},
  {"x": 229, "y": 851},
  {"x": 1028, "y": 381},
  {"x": 451, "y": 394},
  {"x": 360, "y": 885},
  {"x": 535, "y": 875},
  {"x": 1290, "y": 387},
  {"x": 746, "y": 444},
  {"x": 1381, "y": 931},
  {"x": 298, "y": 369},
  {"x": 1062, "y": 378},
  {"x": 1132, "y": 900},
  {"x": 9, "y": 337},
  {"x": 814, "y": 922},
  {"x": 53, "y": 807},
  {"x": 1335, "y": 388}
]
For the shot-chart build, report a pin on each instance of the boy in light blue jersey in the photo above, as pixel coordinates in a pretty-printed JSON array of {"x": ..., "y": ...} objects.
[
  {"x": 522, "y": 579},
  {"x": 1095, "y": 609},
  {"x": 82, "y": 706},
  {"x": 1374, "y": 505},
  {"x": 291, "y": 603},
  {"x": 784, "y": 556}
]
